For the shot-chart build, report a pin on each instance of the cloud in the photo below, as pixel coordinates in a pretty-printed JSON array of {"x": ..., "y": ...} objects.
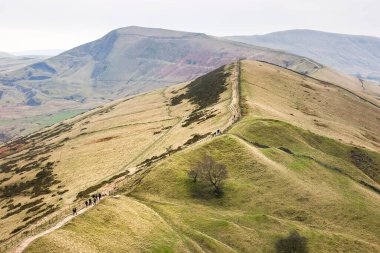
[{"x": 41, "y": 24}]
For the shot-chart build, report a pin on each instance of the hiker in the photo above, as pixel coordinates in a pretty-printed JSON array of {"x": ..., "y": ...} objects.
[
  {"x": 89, "y": 202},
  {"x": 86, "y": 203},
  {"x": 100, "y": 196},
  {"x": 74, "y": 211},
  {"x": 94, "y": 200}
]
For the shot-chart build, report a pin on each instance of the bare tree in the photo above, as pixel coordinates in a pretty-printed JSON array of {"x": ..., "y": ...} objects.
[
  {"x": 216, "y": 175},
  {"x": 210, "y": 171}
]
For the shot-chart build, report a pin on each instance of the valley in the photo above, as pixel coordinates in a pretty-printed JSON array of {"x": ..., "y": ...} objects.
[{"x": 126, "y": 61}]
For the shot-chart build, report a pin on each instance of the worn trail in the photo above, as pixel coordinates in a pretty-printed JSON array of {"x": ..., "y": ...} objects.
[{"x": 235, "y": 115}]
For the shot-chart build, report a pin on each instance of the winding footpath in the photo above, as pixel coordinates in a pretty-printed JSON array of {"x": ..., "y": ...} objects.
[
  {"x": 234, "y": 108},
  {"x": 20, "y": 248},
  {"x": 108, "y": 188}
]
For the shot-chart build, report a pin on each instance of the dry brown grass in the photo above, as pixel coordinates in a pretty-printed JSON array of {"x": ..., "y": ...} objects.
[
  {"x": 107, "y": 141},
  {"x": 274, "y": 92},
  {"x": 269, "y": 192}
]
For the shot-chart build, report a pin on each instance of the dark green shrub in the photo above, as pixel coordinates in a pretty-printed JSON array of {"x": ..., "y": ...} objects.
[{"x": 294, "y": 243}]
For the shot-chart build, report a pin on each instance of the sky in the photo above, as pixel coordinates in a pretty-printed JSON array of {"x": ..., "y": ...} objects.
[{"x": 63, "y": 24}]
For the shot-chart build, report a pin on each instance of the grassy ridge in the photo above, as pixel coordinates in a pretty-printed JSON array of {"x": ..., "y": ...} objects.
[
  {"x": 261, "y": 203},
  {"x": 88, "y": 152},
  {"x": 281, "y": 178}
]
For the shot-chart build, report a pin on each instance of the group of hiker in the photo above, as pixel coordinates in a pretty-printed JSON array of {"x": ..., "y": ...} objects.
[{"x": 90, "y": 202}]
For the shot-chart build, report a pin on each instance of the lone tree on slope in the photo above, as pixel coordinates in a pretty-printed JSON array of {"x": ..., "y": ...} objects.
[
  {"x": 210, "y": 171},
  {"x": 294, "y": 243}
]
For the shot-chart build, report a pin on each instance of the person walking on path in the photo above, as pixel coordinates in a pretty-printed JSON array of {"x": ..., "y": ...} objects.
[
  {"x": 100, "y": 196},
  {"x": 75, "y": 211},
  {"x": 89, "y": 202},
  {"x": 86, "y": 203}
]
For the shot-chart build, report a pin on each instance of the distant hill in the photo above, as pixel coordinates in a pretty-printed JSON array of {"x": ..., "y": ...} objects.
[
  {"x": 5, "y": 55},
  {"x": 352, "y": 54},
  {"x": 11, "y": 63},
  {"x": 45, "y": 52},
  {"x": 125, "y": 61},
  {"x": 135, "y": 59}
]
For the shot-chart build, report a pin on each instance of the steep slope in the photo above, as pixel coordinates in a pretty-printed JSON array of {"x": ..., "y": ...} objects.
[
  {"x": 46, "y": 171},
  {"x": 125, "y": 61},
  {"x": 289, "y": 169},
  {"x": 352, "y": 54}
]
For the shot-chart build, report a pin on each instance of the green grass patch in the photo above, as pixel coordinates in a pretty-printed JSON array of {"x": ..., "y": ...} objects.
[{"x": 292, "y": 139}]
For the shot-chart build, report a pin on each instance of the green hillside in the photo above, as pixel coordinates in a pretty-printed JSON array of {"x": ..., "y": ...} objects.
[
  {"x": 262, "y": 202},
  {"x": 286, "y": 174}
]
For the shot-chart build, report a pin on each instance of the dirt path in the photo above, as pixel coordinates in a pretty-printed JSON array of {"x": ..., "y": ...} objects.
[
  {"x": 29, "y": 240},
  {"x": 234, "y": 105},
  {"x": 108, "y": 188},
  {"x": 234, "y": 108}
]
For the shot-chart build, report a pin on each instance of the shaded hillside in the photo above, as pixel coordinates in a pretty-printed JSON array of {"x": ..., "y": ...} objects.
[
  {"x": 46, "y": 171},
  {"x": 125, "y": 61},
  {"x": 352, "y": 54},
  {"x": 295, "y": 163}
]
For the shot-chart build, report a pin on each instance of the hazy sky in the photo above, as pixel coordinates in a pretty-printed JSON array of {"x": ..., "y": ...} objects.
[{"x": 63, "y": 24}]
